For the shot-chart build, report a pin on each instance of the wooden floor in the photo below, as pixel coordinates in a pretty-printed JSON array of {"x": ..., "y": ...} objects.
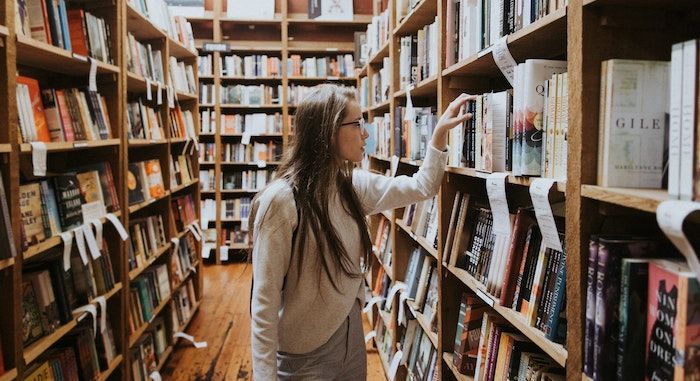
[{"x": 223, "y": 322}]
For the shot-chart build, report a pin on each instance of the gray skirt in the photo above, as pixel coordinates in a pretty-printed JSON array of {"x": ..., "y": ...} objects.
[{"x": 342, "y": 357}]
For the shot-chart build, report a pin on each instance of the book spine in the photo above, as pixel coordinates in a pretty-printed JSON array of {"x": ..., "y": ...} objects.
[{"x": 590, "y": 306}]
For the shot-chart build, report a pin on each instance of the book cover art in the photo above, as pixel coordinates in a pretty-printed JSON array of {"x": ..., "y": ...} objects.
[
  {"x": 31, "y": 315},
  {"x": 31, "y": 212},
  {"x": 134, "y": 183},
  {"x": 633, "y": 305},
  {"x": 70, "y": 200},
  {"x": 155, "y": 178}
]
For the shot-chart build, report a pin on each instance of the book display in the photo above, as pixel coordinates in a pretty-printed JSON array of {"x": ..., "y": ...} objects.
[
  {"x": 247, "y": 94},
  {"x": 100, "y": 140},
  {"x": 577, "y": 135}
]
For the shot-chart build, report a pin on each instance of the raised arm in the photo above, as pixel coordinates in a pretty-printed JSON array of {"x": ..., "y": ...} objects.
[{"x": 378, "y": 192}]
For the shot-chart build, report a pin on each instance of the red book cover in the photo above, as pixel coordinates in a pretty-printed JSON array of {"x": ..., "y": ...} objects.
[
  {"x": 673, "y": 322},
  {"x": 76, "y": 28},
  {"x": 523, "y": 222},
  {"x": 41, "y": 127}
]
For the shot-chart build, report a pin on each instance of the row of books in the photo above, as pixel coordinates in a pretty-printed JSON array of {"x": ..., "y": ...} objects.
[
  {"x": 50, "y": 293},
  {"x": 404, "y": 7},
  {"x": 176, "y": 27},
  {"x": 205, "y": 65},
  {"x": 235, "y": 235},
  {"x": 63, "y": 202},
  {"x": 183, "y": 260},
  {"x": 147, "y": 292},
  {"x": 378, "y": 32},
  {"x": 148, "y": 350},
  {"x": 255, "y": 124},
  {"x": 60, "y": 115},
  {"x": 418, "y": 55},
  {"x": 487, "y": 348},
  {"x": 296, "y": 93},
  {"x": 143, "y": 121},
  {"x": 238, "y": 208},
  {"x": 182, "y": 76},
  {"x": 474, "y": 26},
  {"x": 250, "y": 66},
  {"x": 147, "y": 236},
  {"x": 181, "y": 170},
  {"x": 379, "y": 131},
  {"x": 72, "y": 29},
  {"x": 422, "y": 285},
  {"x": 364, "y": 92},
  {"x": 341, "y": 65},
  {"x": 412, "y": 136},
  {"x": 519, "y": 272},
  {"x": 422, "y": 219},
  {"x": 639, "y": 311},
  {"x": 181, "y": 123},
  {"x": 183, "y": 211},
  {"x": 146, "y": 181},
  {"x": 251, "y": 180},
  {"x": 183, "y": 303},
  {"x": 144, "y": 60},
  {"x": 207, "y": 152},
  {"x": 81, "y": 354},
  {"x": 381, "y": 83},
  {"x": 207, "y": 180},
  {"x": 251, "y": 153},
  {"x": 248, "y": 95}
]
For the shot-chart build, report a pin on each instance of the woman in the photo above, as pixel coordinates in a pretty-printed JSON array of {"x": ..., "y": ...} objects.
[{"x": 310, "y": 237}]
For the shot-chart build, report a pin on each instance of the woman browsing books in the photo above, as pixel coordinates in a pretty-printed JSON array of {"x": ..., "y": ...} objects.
[{"x": 311, "y": 241}]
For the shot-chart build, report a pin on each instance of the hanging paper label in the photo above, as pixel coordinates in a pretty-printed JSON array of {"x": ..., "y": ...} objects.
[
  {"x": 149, "y": 92},
  {"x": 244, "y": 224},
  {"x": 98, "y": 232},
  {"x": 245, "y": 139},
  {"x": 504, "y": 60},
  {"x": 171, "y": 99},
  {"x": 102, "y": 302},
  {"x": 496, "y": 189},
  {"x": 92, "y": 244},
  {"x": 80, "y": 57},
  {"x": 176, "y": 243},
  {"x": 395, "y": 362},
  {"x": 670, "y": 215},
  {"x": 159, "y": 96},
  {"x": 223, "y": 251},
  {"x": 399, "y": 286},
  {"x": 80, "y": 242},
  {"x": 190, "y": 338},
  {"x": 371, "y": 302},
  {"x": 194, "y": 232},
  {"x": 39, "y": 158},
  {"x": 88, "y": 309},
  {"x": 206, "y": 250},
  {"x": 485, "y": 297},
  {"x": 262, "y": 164},
  {"x": 155, "y": 376},
  {"x": 117, "y": 225},
  {"x": 67, "y": 238},
  {"x": 394, "y": 165},
  {"x": 370, "y": 335},
  {"x": 402, "y": 309},
  {"x": 539, "y": 193},
  {"x": 92, "y": 80}
]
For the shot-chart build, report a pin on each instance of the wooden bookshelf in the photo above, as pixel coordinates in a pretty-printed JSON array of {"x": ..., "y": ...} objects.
[
  {"x": 55, "y": 67},
  {"x": 448, "y": 358},
  {"x": 284, "y": 35}
]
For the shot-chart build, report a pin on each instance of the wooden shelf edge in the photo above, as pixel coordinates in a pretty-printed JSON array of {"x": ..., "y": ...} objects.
[
  {"x": 5, "y": 148},
  {"x": 137, "y": 207},
  {"x": 164, "y": 357},
  {"x": 5, "y": 263},
  {"x": 184, "y": 186},
  {"x": 646, "y": 200},
  {"x": 112, "y": 367},
  {"x": 415, "y": 18},
  {"x": 4, "y": 32},
  {"x": 145, "y": 142},
  {"x": 134, "y": 338},
  {"x": 422, "y": 88},
  {"x": 559, "y": 186},
  {"x": 9, "y": 375},
  {"x": 419, "y": 240},
  {"x": 28, "y": 47},
  {"x": 424, "y": 323},
  {"x": 137, "y": 271},
  {"x": 381, "y": 106},
  {"x": 70, "y": 146},
  {"x": 449, "y": 360},
  {"x": 381, "y": 53},
  {"x": 556, "y": 351}
]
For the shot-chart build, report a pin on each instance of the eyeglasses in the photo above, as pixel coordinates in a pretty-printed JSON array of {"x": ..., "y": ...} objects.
[{"x": 360, "y": 123}]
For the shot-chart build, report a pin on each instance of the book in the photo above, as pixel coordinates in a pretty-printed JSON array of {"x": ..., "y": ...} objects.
[
  {"x": 468, "y": 333},
  {"x": 134, "y": 183},
  {"x": 633, "y": 123},
  {"x": 633, "y": 316}
]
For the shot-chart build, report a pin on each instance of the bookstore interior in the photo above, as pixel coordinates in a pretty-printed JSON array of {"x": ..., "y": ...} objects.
[{"x": 138, "y": 132}]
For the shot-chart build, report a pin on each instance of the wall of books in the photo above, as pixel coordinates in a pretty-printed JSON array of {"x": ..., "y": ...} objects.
[
  {"x": 555, "y": 248},
  {"x": 99, "y": 192},
  {"x": 250, "y": 82}
]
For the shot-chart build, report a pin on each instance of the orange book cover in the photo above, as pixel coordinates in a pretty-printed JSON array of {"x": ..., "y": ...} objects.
[
  {"x": 41, "y": 127},
  {"x": 155, "y": 178},
  {"x": 76, "y": 27}
]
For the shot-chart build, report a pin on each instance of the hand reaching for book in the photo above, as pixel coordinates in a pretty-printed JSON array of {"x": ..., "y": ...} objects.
[{"x": 451, "y": 118}]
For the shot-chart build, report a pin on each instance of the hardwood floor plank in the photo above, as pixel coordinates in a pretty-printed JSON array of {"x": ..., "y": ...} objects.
[{"x": 223, "y": 321}]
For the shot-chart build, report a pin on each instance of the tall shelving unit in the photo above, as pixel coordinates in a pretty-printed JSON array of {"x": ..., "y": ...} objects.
[
  {"x": 585, "y": 32},
  {"x": 58, "y": 67},
  {"x": 289, "y": 32}
]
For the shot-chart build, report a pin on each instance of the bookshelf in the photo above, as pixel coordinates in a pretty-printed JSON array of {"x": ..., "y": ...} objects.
[
  {"x": 289, "y": 33},
  {"x": 585, "y": 32},
  {"x": 55, "y": 67}
]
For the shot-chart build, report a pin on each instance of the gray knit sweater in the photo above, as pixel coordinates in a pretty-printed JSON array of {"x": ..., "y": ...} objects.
[{"x": 296, "y": 309}]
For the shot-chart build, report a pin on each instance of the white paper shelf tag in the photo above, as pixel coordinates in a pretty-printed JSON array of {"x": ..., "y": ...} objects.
[
  {"x": 117, "y": 225},
  {"x": 504, "y": 60},
  {"x": 38, "y": 158},
  {"x": 194, "y": 232},
  {"x": 370, "y": 303},
  {"x": 394, "y": 366},
  {"x": 539, "y": 193},
  {"x": 159, "y": 95},
  {"x": 496, "y": 189},
  {"x": 399, "y": 286},
  {"x": 223, "y": 251},
  {"x": 370, "y": 335},
  {"x": 190, "y": 338},
  {"x": 102, "y": 302},
  {"x": 92, "y": 79},
  {"x": 67, "y": 238},
  {"x": 91, "y": 242},
  {"x": 394, "y": 165},
  {"x": 149, "y": 91},
  {"x": 155, "y": 376},
  {"x": 88, "y": 309},
  {"x": 670, "y": 215},
  {"x": 98, "y": 232},
  {"x": 245, "y": 139},
  {"x": 80, "y": 242}
]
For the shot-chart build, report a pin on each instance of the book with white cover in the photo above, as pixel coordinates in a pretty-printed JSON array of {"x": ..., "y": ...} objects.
[
  {"x": 634, "y": 124},
  {"x": 251, "y": 9}
]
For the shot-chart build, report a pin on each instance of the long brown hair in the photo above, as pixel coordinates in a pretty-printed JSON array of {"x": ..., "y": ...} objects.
[{"x": 311, "y": 168}]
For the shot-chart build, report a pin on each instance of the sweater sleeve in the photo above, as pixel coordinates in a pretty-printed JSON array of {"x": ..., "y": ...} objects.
[
  {"x": 275, "y": 221},
  {"x": 378, "y": 192}
]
